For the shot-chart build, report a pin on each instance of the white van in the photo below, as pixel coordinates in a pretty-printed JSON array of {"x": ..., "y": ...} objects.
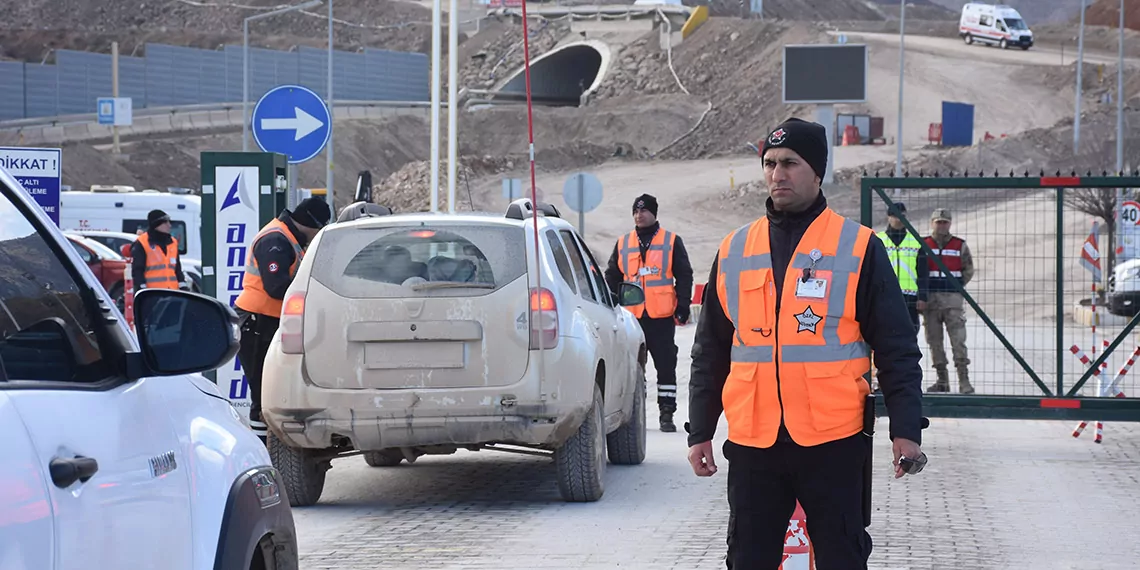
[
  {"x": 992, "y": 24},
  {"x": 122, "y": 209}
]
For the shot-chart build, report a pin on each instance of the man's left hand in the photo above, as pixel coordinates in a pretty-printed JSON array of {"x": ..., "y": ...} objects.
[
  {"x": 682, "y": 315},
  {"x": 904, "y": 447}
]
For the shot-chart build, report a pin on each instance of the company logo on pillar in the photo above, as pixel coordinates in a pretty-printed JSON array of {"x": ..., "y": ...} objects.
[{"x": 237, "y": 224}]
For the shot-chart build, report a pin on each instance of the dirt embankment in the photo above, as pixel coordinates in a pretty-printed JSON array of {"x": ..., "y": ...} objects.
[
  {"x": 734, "y": 64},
  {"x": 1107, "y": 13},
  {"x": 30, "y": 29},
  {"x": 497, "y": 50}
]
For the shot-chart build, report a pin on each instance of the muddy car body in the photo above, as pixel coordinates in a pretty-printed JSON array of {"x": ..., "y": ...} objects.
[{"x": 412, "y": 334}]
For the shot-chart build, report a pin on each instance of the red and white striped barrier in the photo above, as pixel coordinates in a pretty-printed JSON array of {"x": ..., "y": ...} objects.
[
  {"x": 1105, "y": 388},
  {"x": 798, "y": 552}
]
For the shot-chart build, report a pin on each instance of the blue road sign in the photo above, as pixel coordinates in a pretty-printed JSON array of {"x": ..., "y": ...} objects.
[
  {"x": 293, "y": 121},
  {"x": 38, "y": 170},
  {"x": 106, "y": 110}
]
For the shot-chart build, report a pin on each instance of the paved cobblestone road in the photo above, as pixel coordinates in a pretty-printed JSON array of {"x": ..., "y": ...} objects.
[{"x": 996, "y": 495}]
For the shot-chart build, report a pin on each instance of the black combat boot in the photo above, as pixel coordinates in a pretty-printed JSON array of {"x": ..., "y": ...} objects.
[{"x": 667, "y": 422}]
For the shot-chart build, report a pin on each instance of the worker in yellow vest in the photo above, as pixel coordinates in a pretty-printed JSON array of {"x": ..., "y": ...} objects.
[
  {"x": 155, "y": 263},
  {"x": 907, "y": 260},
  {"x": 796, "y": 304},
  {"x": 656, "y": 260},
  {"x": 276, "y": 252}
]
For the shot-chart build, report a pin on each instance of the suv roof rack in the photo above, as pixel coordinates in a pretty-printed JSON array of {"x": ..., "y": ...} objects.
[
  {"x": 521, "y": 209},
  {"x": 357, "y": 210}
]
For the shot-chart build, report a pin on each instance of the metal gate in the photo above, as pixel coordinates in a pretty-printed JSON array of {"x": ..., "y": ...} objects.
[{"x": 1025, "y": 238}]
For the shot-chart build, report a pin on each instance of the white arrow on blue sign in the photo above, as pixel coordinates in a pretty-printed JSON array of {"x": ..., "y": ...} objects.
[{"x": 292, "y": 120}]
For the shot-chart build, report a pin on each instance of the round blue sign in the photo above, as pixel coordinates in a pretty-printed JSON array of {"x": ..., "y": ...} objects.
[{"x": 291, "y": 120}]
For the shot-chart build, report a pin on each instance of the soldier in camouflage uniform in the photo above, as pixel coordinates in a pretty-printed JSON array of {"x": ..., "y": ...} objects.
[{"x": 944, "y": 303}]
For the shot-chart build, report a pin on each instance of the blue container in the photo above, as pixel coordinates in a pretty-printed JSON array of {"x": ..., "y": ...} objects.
[{"x": 957, "y": 124}]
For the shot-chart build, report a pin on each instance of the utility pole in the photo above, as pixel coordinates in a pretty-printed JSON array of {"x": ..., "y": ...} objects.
[
  {"x": 1080, "y": 86},
  {"x": 452, "y": 101},
  {"x": 1120, "y": 129},
  {"x": 902, "y": 68},
  {"x": 115, "y": 148},
  {"x": 329, "y": 193},
  {"x": 436, "y": 40}
]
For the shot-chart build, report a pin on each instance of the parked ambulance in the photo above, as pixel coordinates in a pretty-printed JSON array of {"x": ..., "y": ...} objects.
[
  {"x": 994, "y": 24},
  {"x": 124, "y": 209}
]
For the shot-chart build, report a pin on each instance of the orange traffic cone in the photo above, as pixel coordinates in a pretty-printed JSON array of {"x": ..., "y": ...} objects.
[{"x": 798, "y": 552}]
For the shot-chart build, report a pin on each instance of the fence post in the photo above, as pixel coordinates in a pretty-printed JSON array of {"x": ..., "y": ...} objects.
[{"x": 1060, "y": 291}]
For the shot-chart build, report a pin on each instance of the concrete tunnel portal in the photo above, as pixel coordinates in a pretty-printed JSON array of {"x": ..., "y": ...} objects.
[{"x": 561, "y": 76}]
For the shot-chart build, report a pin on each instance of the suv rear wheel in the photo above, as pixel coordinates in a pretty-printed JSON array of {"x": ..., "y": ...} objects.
[
  {"x": 581, "y": 461},
  {"x": 626, "y": 445},
  {"x": 303, "y": 471}
]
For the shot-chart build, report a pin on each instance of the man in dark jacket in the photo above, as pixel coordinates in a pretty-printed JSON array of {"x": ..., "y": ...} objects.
[
  {"x": 268, "y": 275},
  {"x": 157, "y": 236},
  {"x": 650, "y": 257},
  {"x": 829, "y": 476}
]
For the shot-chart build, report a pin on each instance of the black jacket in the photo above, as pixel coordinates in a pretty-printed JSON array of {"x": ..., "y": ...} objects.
[
  {"x": 275, "y": 248},
  {"x": 682, "y": 268},
  {"x": 897, "y": 236},
  {"x": 138, "y": 259},
  {"x": 879, "y": 307}
]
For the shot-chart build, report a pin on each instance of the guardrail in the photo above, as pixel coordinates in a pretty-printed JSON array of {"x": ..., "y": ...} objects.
[{"x": 85, "y": 127}]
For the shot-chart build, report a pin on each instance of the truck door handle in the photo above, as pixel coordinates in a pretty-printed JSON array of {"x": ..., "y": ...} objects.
[{"x": 64, "y": 472}]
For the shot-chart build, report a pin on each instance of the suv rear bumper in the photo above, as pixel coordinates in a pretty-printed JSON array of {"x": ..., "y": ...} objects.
[{"x": 306, "y": 416}]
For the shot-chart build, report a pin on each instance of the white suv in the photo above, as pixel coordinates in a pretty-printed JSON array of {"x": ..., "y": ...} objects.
[
  {"x": 104, "y": 463},
  {"x": 412, "y": 334}
]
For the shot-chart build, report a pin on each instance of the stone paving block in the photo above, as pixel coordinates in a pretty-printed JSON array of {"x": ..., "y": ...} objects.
[{"x": 997, "y": 494}]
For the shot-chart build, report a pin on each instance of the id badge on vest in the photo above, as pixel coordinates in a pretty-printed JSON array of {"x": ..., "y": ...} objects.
[
  {"x": 809, "y": 286},
  {"x": 647, "y": 271}
]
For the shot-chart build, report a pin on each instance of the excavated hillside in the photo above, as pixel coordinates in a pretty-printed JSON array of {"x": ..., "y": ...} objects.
[
  {"x": 1107, "y": 13},
  {"x": 733, "y": 64},
  {"x": 30, "y": 29}
]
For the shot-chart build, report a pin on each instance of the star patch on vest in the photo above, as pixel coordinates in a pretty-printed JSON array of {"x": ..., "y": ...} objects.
[{"x": 807, "y": 321}]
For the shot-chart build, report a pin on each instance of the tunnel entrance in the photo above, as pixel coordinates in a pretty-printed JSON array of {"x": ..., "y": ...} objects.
[{"x": 560, "y": 77}]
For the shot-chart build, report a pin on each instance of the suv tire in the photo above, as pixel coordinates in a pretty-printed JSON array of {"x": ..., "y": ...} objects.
[
  {"x": 302, "y": 470},
  {"x": 581, "y": 461},
  {"x": 626, "y": 445},
  {"x": 385, "y": 458}
]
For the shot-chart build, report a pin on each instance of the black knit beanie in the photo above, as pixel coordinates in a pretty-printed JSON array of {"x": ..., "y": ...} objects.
[
  {"x": 645, "y": 202},
  {"x": 809, "y": 140},
  {"x": 312, "y": 212}
]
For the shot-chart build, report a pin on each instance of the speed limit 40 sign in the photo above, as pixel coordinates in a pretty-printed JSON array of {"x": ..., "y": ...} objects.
[{"x": 1130, "y": 212}]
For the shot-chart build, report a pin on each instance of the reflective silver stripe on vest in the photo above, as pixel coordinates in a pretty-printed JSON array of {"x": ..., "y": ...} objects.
[
  {"x": 250, "y": 268},
  {"x": 842, "y": 265},
  {"x": 666, "y": 250}
]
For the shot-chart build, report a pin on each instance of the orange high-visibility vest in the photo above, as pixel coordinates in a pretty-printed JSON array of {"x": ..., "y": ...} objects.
[
  {"x": 655, "y": 274},
  {"x": 253, "y": 297},
  {"x": 160, "y": 263},
  {"x": 814, "y": 344}
]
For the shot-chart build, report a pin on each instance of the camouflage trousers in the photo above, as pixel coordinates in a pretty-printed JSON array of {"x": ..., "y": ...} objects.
[{"x": 945, "y": 310}]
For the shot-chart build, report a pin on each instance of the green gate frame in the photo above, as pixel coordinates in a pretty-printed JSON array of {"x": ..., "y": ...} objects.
[{"x": 1060, "y": 404}]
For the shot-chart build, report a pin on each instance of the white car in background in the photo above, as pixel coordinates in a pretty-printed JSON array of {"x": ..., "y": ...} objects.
[
  {"x": 412, "y": 334},
  {"x": 114, "y": 452}
]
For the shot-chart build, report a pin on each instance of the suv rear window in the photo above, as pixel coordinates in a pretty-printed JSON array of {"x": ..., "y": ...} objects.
[{"x": 419, "y": 261}]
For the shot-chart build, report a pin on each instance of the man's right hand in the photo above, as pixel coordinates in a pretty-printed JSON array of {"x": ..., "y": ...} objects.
[{"x": 702, "y": 460}]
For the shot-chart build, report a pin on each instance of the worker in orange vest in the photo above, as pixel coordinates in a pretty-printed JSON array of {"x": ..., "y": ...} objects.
[
  {"x": 276, "y": 252},
  {"x": 155, "y": 263},
  {"x": 796, "y": 304},
  {"x": 656, "y": 260}
]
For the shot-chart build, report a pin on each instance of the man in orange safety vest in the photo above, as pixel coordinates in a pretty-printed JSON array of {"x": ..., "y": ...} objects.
[{"x": 656, "y": 260}]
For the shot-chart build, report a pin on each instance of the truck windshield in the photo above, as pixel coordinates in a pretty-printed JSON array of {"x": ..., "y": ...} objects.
[{"x": 1015, "y": 24}]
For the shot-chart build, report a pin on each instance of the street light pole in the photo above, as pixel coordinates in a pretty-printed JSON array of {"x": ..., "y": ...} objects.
[
  {"x": 436, "y": 17},
  {"x": 245, "y": 63},
  {"x": 1120, "y": 128},
  {"x": 452, "y": 103}
]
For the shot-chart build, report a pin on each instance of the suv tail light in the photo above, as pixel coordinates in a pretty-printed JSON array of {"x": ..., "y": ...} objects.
[
  {"x": 543, "y": 319},
  {"x": 292, "y": 324}
]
